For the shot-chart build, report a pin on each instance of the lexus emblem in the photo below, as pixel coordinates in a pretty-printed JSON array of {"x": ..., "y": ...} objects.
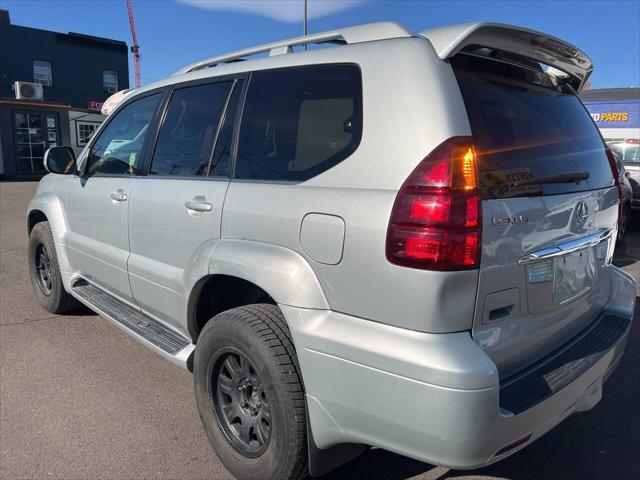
[{"x": 582, "y": 212}]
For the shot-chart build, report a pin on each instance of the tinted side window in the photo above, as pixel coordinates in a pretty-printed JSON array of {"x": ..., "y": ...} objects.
[
  {"x": 222, "y": 153},
  {"x": 118, "y": 149},
  {"x": 189, "y": 130},
  {"x": 299, "y": 122}
]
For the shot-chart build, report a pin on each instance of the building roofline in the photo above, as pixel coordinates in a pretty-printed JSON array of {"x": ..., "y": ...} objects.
[
  {"x": 611, "y": 94},
  {"x": 101, "y": 39},
  {"x": 112, "y": 41}
]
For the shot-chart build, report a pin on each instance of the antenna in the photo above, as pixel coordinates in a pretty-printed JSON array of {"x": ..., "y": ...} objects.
[{"x": 135, "y": 48}]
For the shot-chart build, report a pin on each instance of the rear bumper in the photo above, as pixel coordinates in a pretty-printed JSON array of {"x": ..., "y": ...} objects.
[
  {"x": 436, "y": 397},
  {"x": 582, "y": 393},
  {"x": 556, "y": 371}
]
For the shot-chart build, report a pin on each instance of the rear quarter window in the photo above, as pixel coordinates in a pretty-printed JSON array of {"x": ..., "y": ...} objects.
[
  {"x": 299, "y": 122},
  {"x": 526, "y": 128}
]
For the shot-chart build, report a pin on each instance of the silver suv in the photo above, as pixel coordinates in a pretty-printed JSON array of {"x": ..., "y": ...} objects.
[{"x": 402, "y": 241}]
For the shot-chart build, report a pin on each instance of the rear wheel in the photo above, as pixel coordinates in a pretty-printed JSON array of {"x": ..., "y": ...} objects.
[
  {"x": 45, "y": 272},
  {"x": 249, "y": 393}
]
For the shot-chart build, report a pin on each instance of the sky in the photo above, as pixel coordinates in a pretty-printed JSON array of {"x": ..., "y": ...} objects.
[{"x": 175, "y": 33}]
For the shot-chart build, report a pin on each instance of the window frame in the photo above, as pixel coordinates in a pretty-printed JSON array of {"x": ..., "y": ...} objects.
[
  {"x": 104, "y": 84},
  {"x": 161, "y": 111},
  {"x": 233, "y": 78},
  {"x": 33, "y": 67},
  {"x": 236, "y": 127},
  {"x": 153, "y": 127},
  {"x": 238, "y": 123}
]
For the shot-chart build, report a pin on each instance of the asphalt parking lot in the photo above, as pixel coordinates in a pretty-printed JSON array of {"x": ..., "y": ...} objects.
[{"x": 81, "y": 399}]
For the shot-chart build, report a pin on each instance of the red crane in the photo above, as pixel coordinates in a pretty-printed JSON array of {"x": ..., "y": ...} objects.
[{"x": 135, "y": 48}]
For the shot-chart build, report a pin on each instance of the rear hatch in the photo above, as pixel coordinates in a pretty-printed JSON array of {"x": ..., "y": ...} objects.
[{"x": 549, "y": 205}]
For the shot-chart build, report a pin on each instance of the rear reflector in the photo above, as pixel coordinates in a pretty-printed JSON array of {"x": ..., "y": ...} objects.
[{"x": 435, "y": 222}]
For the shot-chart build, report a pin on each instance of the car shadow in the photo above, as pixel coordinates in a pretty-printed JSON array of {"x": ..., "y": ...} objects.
[
  {"x": 600, "y": 443},
  {"x": 376, "y": 464},
  {"x": 81, "y": 311}
]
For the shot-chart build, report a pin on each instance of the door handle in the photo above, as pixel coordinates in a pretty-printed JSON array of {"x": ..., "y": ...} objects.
[
  {"x": 198, "y": 205},
  {"x": 119, "y": 196}
]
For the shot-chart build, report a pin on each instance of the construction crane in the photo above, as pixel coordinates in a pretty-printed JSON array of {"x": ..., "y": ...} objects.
[{"x": 135, "y": 48}]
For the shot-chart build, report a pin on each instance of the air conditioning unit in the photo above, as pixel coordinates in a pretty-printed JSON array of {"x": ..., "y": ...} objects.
[{"x": 28, "y": 90}]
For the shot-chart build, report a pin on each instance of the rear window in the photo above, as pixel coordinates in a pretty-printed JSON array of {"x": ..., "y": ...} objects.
[
  {"x": 526, "y": 129},
  {"x": 299, "y": 122}
]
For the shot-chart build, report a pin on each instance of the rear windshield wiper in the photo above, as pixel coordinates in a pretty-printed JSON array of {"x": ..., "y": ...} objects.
[
  {"x": 574, "y": 177},
  {"x": 502, "y": 188}
]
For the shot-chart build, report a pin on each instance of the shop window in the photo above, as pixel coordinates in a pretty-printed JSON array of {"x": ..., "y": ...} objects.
[
  {"x": 84, "y": 132},
  {"x": 42, "y": 73},
  {"x": 110, "y": 81}
]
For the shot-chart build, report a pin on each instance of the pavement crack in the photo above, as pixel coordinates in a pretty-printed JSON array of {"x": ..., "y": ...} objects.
[{"x": 30, "y": 320}]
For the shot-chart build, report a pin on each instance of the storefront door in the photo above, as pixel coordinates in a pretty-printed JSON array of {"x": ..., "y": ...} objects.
[{"x": 34, "y": 132}]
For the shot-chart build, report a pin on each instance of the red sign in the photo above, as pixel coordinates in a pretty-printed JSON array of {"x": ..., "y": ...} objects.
[{"x": 94, "y": 105}]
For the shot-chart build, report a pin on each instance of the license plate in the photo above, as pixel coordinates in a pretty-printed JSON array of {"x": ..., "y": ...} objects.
[{"x": 574, "y": 275}]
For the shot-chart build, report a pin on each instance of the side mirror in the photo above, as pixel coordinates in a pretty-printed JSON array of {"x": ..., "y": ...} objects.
[{"x": 61, "y": 160}]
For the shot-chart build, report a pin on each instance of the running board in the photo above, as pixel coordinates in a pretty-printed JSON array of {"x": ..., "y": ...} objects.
[{"x": 130, "y": 319}]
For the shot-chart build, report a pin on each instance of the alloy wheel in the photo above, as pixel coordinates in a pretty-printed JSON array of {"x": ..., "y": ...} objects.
[
  {"x": 43, "y": 269},
  {"x": 240, "y": 403}
]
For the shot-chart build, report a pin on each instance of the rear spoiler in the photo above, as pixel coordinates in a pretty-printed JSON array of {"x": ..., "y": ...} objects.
[{"x": 538, "y": 46}]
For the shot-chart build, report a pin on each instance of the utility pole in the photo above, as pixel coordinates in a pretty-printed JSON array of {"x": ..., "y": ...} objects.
[
  {"x": 305, "y": 16},
  {"x": 305, "y": 21}
]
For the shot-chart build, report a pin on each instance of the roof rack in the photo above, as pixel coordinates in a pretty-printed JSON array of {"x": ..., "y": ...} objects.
[{"x": 362, "y": 33}]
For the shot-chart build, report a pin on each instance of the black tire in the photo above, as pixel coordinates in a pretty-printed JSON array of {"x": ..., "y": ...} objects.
[
  {"x": 260, "y": 334},
  {"x": 47, "y": 283}
]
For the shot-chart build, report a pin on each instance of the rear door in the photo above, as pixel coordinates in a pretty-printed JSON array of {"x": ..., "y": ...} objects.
[
  {"x": 175, "y": 212},
  {"x": 549, "y": 206}
]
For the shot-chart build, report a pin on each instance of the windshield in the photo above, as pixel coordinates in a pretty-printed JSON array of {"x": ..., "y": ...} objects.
[
  {"x": 526, "y": 128},
  {"x": 627, "y": 152}
]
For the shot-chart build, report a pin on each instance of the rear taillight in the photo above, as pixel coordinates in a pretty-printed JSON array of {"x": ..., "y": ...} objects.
[
  {"x": 435, "y": 223},
  {"x": 616, "y": 176}
]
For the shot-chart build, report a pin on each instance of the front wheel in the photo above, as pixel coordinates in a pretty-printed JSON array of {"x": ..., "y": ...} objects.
[
  {"x": 45, "y": 272},
  {"x": 249, "y": 394}
]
